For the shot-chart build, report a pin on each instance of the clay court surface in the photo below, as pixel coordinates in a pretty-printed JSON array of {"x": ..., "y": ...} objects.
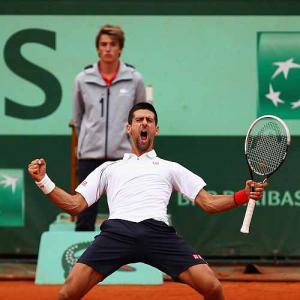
[{"x": 25, "y": 290}]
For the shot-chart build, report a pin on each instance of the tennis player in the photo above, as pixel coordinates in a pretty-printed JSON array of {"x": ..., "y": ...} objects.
[{"x": 138, "y": 190}]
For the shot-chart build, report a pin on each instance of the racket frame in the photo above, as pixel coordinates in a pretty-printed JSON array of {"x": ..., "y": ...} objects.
[
  {"x": 288, "y": 144},
  {"x": 251, "y": 203}
]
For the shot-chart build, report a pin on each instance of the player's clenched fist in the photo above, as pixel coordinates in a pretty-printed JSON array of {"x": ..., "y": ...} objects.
[{"x": 37, "y": 169}]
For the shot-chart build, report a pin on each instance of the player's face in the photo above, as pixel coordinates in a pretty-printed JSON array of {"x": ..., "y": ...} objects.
[
  {"x": 109, "y": 49},
  {"x": 142, "y": 131}
]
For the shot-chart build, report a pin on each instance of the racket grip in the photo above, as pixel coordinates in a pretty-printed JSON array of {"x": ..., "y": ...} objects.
[{"x": 248, "y": 216}]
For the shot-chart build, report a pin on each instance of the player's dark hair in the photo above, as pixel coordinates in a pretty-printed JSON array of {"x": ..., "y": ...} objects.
[
  {"x": 114, "y": 31},
  {"x": 142, "y": 105}
]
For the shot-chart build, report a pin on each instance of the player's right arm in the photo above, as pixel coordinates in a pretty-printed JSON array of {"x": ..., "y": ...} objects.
[
  {"x": 72, "y": 204},
  {"x": 219, "y": 203}
]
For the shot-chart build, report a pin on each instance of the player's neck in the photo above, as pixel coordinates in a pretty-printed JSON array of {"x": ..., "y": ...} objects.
[
  {"x": 139, "y": 152},
  {"x": 109, "y": 69}
]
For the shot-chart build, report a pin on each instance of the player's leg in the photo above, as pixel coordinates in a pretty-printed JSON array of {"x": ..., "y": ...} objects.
[
  {"x": 202, "y": 279},
  {"x": 110, "y": 250},
  {"x": 168, "y": 252},
  {"x": 80, "y": 280},
  {"x": 85, "y": 221}
]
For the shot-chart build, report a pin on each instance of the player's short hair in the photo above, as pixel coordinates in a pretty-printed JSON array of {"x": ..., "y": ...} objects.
[
  {"x": 142, "y": 105},
  {"x": 114, "y": 31}
]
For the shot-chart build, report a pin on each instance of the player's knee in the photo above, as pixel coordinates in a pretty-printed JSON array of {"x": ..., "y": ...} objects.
[
  {"x": 213, "y": 289},
  {"x": 66, "y": 294},
  {"x": 62, "y": 295}
]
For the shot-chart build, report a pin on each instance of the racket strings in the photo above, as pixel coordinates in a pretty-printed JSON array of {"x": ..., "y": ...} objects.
[{"x": 266, "y": 147}]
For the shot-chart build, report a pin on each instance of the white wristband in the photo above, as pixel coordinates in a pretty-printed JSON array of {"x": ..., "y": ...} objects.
[{"x": 46, "y": 185}]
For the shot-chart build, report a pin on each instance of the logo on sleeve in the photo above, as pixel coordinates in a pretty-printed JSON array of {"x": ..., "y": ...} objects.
[{"x": 84, "y": 183}]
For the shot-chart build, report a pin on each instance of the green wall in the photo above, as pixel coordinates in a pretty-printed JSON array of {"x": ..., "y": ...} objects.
[
  {"x": 203, "y": 69},
  {"x": 201, "y": 57},
  {"x": 220, "y": 161}
]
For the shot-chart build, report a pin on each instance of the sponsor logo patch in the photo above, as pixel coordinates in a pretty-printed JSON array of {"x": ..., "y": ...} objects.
[{"x": 278, "y": 58}]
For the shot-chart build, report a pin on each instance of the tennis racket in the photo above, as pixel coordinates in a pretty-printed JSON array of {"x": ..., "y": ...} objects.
[{"x": 266, "y": 146}]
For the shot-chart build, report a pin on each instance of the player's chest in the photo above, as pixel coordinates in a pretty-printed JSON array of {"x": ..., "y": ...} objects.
[{"x": 143, "y": 171}]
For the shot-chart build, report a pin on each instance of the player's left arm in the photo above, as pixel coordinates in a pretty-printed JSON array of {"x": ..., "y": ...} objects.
[
  {"x": 77, "y": 106},
  {"x": 218, "y": 203}
]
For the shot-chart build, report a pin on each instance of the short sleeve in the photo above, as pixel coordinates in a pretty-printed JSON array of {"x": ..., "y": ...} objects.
[
  {"x": 186, "y": 182},
  {"x": 78, "y": 104},
  {"x": 94, "y": 185}
]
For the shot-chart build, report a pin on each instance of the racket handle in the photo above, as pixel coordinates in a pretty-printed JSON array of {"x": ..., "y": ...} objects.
[{"x": 248, "y": 216}]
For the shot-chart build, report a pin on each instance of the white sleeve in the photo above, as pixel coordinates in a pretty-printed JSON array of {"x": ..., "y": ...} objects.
[
  {"x": 94, "y": 185},
  {"x": 78, "y": 105},
  {"x": 186, "y": 182}
]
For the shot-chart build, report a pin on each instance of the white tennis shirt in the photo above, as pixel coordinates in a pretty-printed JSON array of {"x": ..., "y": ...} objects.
[{"x": 139, "y": 188}]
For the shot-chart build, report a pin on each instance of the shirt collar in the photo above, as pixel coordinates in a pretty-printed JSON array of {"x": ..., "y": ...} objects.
[
  {"x": 148, "y": 155},
  {"x": 93, "y": 74}
]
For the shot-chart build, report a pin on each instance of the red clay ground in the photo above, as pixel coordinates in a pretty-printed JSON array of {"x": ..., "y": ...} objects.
[{"x": 27, "y": 290}]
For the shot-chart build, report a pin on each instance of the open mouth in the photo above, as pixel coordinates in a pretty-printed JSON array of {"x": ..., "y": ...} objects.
[{"x": 144, "y": 135}]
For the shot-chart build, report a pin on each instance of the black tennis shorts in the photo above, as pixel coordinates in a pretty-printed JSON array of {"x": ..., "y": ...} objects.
[{"x": 152, "y": 242}]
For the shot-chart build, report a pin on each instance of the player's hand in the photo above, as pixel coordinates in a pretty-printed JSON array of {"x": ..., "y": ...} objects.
[
  {"x": 254, "y": 189},
  {"x": 37, "y": 169}
]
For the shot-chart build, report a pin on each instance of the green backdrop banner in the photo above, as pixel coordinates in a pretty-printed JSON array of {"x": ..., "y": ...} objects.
[
  {"x": 279, "y": 74},
  {"x": 199, "y": 78},
  {"x": 211, "y": 77},
  {"x": 11, "y": 197},
  {"x": 219, "y": 160}
]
